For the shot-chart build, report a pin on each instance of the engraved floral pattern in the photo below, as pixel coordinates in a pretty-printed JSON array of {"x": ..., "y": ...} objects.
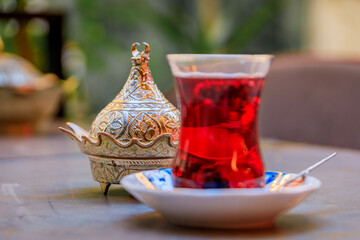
[
  {"x": 139, "y": 111},
  {"x": 144, "y": 128},
  {"x": 138, "y": 130},
  {"x": 112, "y": 170},
  {"x": 113, "y": 123},
  {"x": 170, "y": 122}
]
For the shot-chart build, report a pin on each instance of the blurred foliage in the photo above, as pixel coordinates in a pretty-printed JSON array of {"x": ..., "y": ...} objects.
[
  {"x": 25, "y": 38},
  {"x": 105, "y": 28},
  {"x": 102, "y": 31},
  {"x": 33, "y": 46},
  {"x": 203, "y": 26}
]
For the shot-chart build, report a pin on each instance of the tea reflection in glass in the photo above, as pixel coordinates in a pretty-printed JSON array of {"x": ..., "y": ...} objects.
[{"x": 220, "y": 96}]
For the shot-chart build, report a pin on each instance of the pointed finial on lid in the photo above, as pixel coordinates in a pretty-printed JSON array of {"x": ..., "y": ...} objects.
[
  {"x": 146, "y": 52},
  {"x": 140, "y": 57},
  {"x": 134, "y": 51}
]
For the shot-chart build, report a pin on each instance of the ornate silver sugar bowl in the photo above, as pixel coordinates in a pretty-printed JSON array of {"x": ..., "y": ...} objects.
[{"x": 138, "y": 130}]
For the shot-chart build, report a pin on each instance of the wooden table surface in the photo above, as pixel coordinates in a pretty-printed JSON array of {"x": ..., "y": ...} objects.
[{"x": 46, "y": 192}]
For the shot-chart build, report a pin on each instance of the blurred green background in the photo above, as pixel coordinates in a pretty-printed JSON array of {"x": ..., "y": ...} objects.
[{"x": 98, "y": 35}]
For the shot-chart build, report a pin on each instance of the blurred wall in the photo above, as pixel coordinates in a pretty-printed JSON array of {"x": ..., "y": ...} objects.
[{"x": 333, "y": 27}]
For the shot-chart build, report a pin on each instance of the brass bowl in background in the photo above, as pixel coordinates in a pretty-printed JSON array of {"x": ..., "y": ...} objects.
[{"x": 27, "y": 96}]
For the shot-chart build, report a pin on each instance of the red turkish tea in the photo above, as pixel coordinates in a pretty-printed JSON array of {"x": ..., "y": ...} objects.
[{"x": 219, "y": 138}]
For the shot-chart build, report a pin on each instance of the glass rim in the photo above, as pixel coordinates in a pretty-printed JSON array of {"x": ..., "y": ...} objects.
[
  {"x": 192, "y": 57},
  {"x": 247, "y": 65}
]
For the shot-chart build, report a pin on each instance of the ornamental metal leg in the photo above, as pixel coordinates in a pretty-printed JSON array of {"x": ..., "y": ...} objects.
[{"x": 105, "y": 187}]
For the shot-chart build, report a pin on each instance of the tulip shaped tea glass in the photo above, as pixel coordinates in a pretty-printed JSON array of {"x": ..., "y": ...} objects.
[{"x": 220, "y": 96}]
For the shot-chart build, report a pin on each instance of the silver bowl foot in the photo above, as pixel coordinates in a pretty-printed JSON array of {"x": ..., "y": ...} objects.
[{"x": 105, "y": 187}]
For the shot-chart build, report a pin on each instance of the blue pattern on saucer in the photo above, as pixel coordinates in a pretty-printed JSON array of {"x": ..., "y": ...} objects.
[{"x": 162, "y": 178}]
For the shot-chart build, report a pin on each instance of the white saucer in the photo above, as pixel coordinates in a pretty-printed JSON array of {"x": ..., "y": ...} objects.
[{"x": 216, "y": 208}]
